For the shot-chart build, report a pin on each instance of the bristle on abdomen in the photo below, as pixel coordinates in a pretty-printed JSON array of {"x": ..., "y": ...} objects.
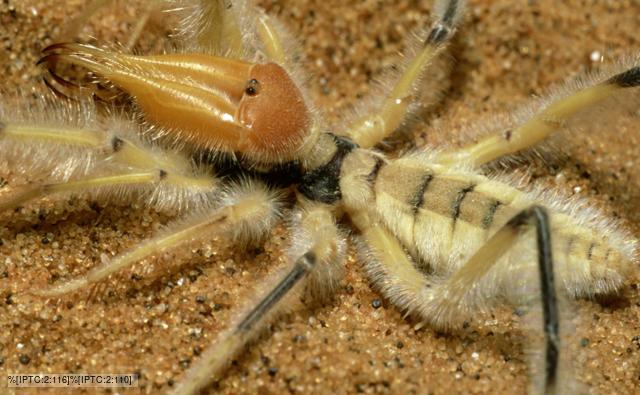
[{"x": 443, "y": 216}]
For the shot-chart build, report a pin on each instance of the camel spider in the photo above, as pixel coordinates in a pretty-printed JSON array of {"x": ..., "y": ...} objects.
[{"x": 117, "y": 142}]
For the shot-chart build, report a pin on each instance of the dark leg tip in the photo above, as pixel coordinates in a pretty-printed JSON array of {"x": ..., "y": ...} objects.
[
  {"x": 627, "y": 79},
  {"x": 438, "y": 34}
]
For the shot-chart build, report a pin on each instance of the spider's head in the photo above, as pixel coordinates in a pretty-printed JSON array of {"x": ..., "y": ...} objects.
[{"x": 215, "y": 103}]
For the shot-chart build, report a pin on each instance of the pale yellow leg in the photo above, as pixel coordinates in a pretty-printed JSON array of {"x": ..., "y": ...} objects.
[
  {"x": 539, "y": 126},
  {"x": 151, "y": 7},
  {"x": 277, "y": 294},
  {"x": 443, "y": 303},
  {"x": 252, "y": 209},
  {"x": 217, "y": 31},
  {"x": 384, "y": 120},
  {"x": 24, "y": 195},
  {"x": 85, "y": 138},
  {"x": 120, "y": 160},
  {"x": 388, "y": 266},
  {"x": 464, "y": 284},
  {"x": 447, "y": 302},
  {"x": 375, "y": 127},
  {"x": 271, "y": 40},
  {"x": 73, "y": 28}
]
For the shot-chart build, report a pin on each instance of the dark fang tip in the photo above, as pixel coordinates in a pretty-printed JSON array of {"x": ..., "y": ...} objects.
[
  {"x": 54, "y": 81},
  {"x": 54, "y": 89},
  {"x": 62, "y": 81},
  {"x": 54, "y": 47},
  {"x": 163, "y": 174},
  {"x": 50, "y": 58},
  {"x": 626, "y": 79}
]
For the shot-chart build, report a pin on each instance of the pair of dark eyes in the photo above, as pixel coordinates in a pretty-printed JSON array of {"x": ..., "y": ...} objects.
[{"x": 253, "y": 87}]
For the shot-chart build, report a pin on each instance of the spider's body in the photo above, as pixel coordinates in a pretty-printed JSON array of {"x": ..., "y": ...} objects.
[{"x": 438, "y": 238}]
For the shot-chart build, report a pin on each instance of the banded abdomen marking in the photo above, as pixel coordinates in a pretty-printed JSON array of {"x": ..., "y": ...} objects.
[
  {"x": 437, "y": 215},
  {"x": 443, "y": 217}
]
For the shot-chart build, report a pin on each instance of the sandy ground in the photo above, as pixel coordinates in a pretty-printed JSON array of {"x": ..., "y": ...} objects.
[{"x": 157, "y": 324}]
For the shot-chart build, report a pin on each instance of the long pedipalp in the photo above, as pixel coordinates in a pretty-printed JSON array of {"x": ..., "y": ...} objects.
[{"x": 76, "y": 149}]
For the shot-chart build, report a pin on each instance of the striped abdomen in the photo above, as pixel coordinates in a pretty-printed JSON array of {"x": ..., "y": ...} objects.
[{"x": 443, "y": 216}]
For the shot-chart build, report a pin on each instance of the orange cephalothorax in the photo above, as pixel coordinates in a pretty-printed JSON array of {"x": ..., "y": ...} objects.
[
  {"x": 273, "y": 108},
  {"x": 217, "y": 103}
]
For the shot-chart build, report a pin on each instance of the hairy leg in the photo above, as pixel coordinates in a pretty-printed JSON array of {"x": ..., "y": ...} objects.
[
  {"x": 550, "y": 118},
  {"x": 80, "y": 153},
  {"x": 248, "y": 212},
  {"x": 445, "y": 302},
  {"x": 386, "y": 118},
  {"x": 311, "y": 273}
]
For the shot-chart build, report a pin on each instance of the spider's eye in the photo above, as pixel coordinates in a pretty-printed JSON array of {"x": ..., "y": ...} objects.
[{"x": 253, "y": 87}]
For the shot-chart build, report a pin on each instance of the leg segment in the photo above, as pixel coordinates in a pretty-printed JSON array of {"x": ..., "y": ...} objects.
[
  {"x": 73, "y": 28},
  {"x": 384, "y": 120},
  {"x": 490, "y": 253},
  {"x": 24, "y": 195},
  {"x": 445, "y": 302},
  {"x": 140, "y": 24},
  {"x": 318, "y": 236},
  {"x": 73, "y": 158},
  {"x": 551, "y": 118},
  {"x": 76, "y": 25},
  {"x": 223, "y": 28},
  {"x": 271, "y": 40},
  {"x": 213, "y": 27},
  {"x": 249, "y": 213},
  {"x": 548, "y": 292},
  {"x": 232, "y": 341}
]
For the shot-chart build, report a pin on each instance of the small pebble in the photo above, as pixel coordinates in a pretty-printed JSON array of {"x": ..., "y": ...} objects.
[{"x": 596, "y": 56}]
